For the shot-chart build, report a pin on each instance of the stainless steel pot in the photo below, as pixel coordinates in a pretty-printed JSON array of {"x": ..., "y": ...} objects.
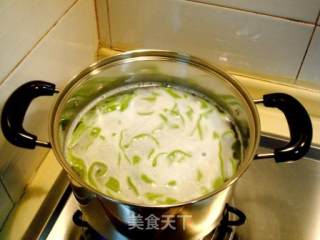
[{"x": 192, "y": 219}]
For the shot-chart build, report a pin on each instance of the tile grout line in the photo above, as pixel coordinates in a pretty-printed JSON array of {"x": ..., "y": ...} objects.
[
  {"x": 12, "y": 201},
  {"x": 109, "y": 24},
  {"x": 97, "y": 22},
  {"x": 251, "y": 11},
  {"x": 37, "y": 43},
  {"x": 307, "y": 49}
]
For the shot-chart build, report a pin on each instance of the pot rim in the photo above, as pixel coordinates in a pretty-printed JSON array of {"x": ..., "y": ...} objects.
[{"x": 183, "y": 57}]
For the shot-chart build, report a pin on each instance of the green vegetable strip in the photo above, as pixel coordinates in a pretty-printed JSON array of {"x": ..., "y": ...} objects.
[
  {"x": 174, "y": 125},
  {"x": 172, "y": 93},
  {"x": 164, "y": 118},
  {"x": 227, "y": 97},
  {"x": 234, "y": 164},
  {"x": 218, "y": 182},
  {"x": 175, "y": 111},
  {"x": 78, "y": 132},
  {"x": 95, "y": 132},
  {"x": 204, "y": 190},
  {"x": 221, "y": 161},
  {"x": 181, "y": 152},
  {"x": 226, "y": 133},
  {"x": 132, "y": 186},
  {"x": 136, "y": 159},
  {"x": 169, "y": 200},
  {"x": 190, "y": 113},
  {"x": 142, "y": 135},
  {"x": 155, "y": 159},
  {"x": 167, "y": 122},
  {"x": 177, "y": 155},
  {"x": 109, "y": 193},
  {"x": 151, "y": 153},
  {"x": 114, "y": 103},
  {"x": 150, "y": 98},
  {"x": 96, "y": 169},
  {"x": 215, "y": 135},
  {"x": 152, "y": 196},
  {"x": 145, "y": 135},
  {"x": 108, "y": 105},
  {"x": 122, "y": 147},
  {"x": 119, "y": 159},
  {"x": 146, "y": 179},
  {"x": 154, "y": 131},
  {"x": 199, "y": 175},
  {"x": 144, "y": 113},
  {"x": 172, "y": 183},
  {"x": 207, "y": 113},
  {"x": 198, "y": 128},
  {"x": 78, "y": 165},
  {"x": 113, "y": 184},
  {"x": 203, "y": 104},
  {"x": 125, "y": 101}
]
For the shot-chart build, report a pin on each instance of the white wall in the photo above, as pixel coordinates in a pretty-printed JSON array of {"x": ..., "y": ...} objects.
[
  {"x": 48, "y": 40},
  {"x": 264, "y": 39}
]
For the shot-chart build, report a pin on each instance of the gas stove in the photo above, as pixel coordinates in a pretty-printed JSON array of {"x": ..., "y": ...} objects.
[{"x": 68, "y": 223}]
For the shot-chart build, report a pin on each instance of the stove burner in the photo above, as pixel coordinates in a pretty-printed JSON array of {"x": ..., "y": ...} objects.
[
  {"x": 88, "y": 232},
  {"x": 225, "y": 231}
]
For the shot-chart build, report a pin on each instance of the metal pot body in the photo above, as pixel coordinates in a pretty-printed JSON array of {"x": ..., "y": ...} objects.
[
  {"x": 114, "y": 220},
  {"x": 192, "y": 219}
]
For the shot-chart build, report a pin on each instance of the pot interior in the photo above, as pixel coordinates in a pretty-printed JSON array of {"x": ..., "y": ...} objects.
[{"x": 155, "y": 68}]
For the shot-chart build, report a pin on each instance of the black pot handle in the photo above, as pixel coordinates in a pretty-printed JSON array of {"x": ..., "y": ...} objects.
[
  {"x": 299, "y": 123},
  {"x": 15, "y": 109}
]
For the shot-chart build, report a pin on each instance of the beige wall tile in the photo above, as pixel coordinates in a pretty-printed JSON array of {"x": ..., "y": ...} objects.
[
  {"x": 295, "y": 9},
  {"x": 22, "y": 23},
  {"x": 310, "y": 71},
  {"x": 103, "y": 23},
  {"x": 67, "y": 49},
  {"x": 241, "y": 42}
]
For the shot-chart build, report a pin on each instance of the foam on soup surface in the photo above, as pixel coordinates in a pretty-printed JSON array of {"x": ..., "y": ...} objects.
[{"x": 153, "y": 146}]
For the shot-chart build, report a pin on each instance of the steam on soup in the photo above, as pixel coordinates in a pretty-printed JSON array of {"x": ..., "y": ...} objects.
[{"x": 153, "y": 145}]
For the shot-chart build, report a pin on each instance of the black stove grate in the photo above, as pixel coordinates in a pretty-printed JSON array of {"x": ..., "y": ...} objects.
[{"x": 88, "y": 232}]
